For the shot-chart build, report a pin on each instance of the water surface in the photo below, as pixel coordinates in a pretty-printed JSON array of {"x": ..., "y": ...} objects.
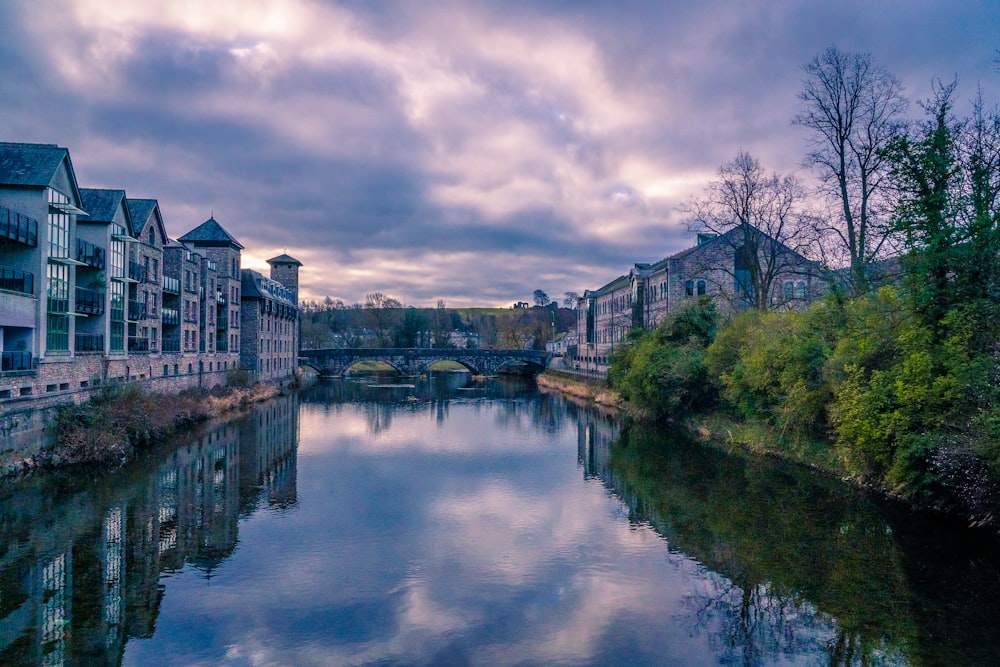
[{"x": 449, "y": 523}]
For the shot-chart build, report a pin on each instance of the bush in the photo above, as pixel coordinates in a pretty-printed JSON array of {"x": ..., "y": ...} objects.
[{"x": 662, "y": 373}]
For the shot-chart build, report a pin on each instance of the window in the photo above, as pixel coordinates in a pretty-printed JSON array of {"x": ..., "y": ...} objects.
[
  {"x": 689, "y": 288},
  {"x": 702, "y": 288},
  {"x": 787, "y": 290},
  {"x": 800, "y": 290},
  {"x": 58, "y": 232}
]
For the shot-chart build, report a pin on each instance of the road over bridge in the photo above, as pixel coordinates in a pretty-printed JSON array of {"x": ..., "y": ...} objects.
[{"x": 414, "y": 361}]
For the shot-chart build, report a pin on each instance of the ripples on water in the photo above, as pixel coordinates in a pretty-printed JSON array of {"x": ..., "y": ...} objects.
[{"x": 449, "y": 523}]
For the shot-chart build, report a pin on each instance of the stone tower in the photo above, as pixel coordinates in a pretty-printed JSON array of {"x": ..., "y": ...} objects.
[{"x": 285, "y": 270}]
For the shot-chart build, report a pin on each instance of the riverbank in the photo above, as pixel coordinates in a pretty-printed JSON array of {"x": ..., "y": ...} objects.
[
  {"x": 966, "y": 490},
  {"x": 117, "y": 425},
  {"x": 589, "y": 389}
]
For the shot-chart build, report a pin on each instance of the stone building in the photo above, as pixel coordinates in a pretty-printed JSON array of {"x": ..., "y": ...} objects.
[
  {"x": 271, "y": 318},
  {"x": 146, "y": 265},
  {"x": 717, "y": 267},
  {"x": 93, "y": 291}
]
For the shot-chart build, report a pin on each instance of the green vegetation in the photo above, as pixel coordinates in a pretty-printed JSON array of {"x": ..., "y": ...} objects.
[{"x": 896, "y": 386}]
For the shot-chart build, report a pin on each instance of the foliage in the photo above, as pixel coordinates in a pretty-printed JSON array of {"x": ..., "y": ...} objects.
[{"x": 663, "y": 371}]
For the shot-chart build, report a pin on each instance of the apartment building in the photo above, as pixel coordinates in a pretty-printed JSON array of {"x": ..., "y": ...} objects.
[
  {"x": 716, "y": 267},
  {"x": 94, "y": 291}
]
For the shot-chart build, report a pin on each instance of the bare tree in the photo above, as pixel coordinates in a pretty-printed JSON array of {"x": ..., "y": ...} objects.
[
  {"x": 383, "y": 311},
  {"x": 853, "y": 109},
  {"x": 570, "y": 300},
  {"x": 759, "y": 217}
]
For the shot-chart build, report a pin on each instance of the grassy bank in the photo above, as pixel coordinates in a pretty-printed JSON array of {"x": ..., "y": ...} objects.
[
  {"x": 118, "y": 424},
  {"x": 589, "y": 389}
]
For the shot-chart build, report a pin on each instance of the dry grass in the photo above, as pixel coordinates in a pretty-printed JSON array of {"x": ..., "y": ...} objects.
[
  {"x": 594, "y": 391},
  {"x": 114, "y": 426}
]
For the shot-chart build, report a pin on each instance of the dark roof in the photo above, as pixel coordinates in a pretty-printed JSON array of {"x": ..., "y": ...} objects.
[
  {"x": 617, "y": 283},
  {"x": 210, "y": 233},
  {"x": 284, "y": 259},
  {"x": 101, "y": 204},
  {"x": 140, "y": 210},
  {"x": 29, "y": 164},
  {"x": 253, "y": 285},
  {"x": 33, "y": 165}
]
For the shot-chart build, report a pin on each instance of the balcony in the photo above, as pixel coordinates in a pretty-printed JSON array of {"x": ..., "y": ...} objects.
[
  {"x": 221, "y": 298},
  {"x": 140, "y": 344},
  {"x": 15, "y": 361},
  {"x": 136, "y": 310},
  {"x": 171, "y": 344},
  {"x": 89, "y": 301},
  {"x": 90, "y": 254},
  {"x": 221, "y": 344},
  {"x": 137, "y": 272},
  {"x": 18, "y": 228},
  {"x": 58, "y": 305},
  {"x": 88, "y": 342},
  {"x": 170, "y": 316},
  {"x": 16, "y": 281},
  {"x": 171, "y": 285}
]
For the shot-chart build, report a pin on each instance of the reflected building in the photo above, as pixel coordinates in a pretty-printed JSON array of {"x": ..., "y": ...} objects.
[{"x": 78, "y": 583}]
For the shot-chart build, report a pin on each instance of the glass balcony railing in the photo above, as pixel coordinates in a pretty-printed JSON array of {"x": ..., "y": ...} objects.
[
  {"x": 89, "y": 342},
  {"x": 89, "y": 301},
  {"x": 136, "y": 310},
  {"x": 137, "y": 271},
  {"x": 171, "y": 285},
  {"x": 16, "y": 281},
  {"x": 17, "y": 227},
  {"x": 138, "y": 344},
  {"x": 170, "y": 316},
  {"x": 90, "y": 254},
  {"x": 171, "y": 344},
  {"x": 15, "y": 361}
]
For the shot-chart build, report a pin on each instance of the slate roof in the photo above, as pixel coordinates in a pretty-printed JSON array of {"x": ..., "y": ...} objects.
[
  {"x": 29, "y": 164},
  {"x": 140, "y": 210},
  {"x": 284, "y": 259},
  {"x": 101, "y": 204},
  {"x": 254, "y": 285},
  {"x": 210, "y": 233},
  {"x": 33, "y": 165}
]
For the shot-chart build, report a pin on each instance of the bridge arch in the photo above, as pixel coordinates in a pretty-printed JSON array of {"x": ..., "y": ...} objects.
[{"x": 415, "y": 361}]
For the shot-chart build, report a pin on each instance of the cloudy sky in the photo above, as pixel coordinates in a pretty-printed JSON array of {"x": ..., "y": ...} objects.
[{"x": 468, "y": 151}]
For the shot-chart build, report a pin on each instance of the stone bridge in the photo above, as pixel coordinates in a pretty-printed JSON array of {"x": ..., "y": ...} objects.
[{"x": 414, "y": 361}]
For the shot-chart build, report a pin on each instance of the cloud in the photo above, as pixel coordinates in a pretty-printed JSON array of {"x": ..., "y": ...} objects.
[{"x": 548, "y": 139}]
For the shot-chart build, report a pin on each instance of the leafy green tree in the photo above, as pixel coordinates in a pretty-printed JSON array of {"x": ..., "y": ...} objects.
[{"x": 662, "y": 372}]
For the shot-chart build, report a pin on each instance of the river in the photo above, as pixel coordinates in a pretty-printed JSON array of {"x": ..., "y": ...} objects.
[{"x": 446, "y": 522}]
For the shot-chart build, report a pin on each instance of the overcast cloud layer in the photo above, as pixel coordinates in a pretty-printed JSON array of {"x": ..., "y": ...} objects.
[{"x": 468, "y": 151}]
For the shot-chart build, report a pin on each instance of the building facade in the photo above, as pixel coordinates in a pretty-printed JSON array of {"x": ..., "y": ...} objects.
[
  {"x": 717, "y": 267},
  {"x": 93, "y": 291}
]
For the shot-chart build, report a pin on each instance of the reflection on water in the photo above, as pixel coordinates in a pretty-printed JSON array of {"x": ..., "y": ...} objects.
[
  {"x": 80, "y": 563},
  {"x": 445, "y": 521}
]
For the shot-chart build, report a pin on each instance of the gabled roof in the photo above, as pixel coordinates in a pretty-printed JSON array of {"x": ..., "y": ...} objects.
[
  {"x": 284, "y": 259},
  {"x": 101, "y": 204},
  {"x": 144, "y": 210},
  {"x": 34, "y": 165},
  {"x": 210, "y": 233},
  {"x": 140, "y": 210}
]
